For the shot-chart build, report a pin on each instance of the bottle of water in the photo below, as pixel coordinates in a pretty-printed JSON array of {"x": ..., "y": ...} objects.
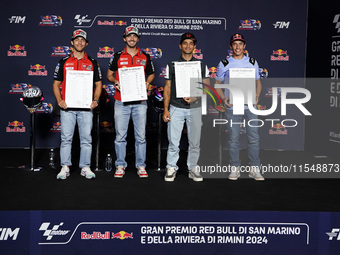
[
  {"x": 108, "y": 163},
  {"x": 51, "y": 155}
]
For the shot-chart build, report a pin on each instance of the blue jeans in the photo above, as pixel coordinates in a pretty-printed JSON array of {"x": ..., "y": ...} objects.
[
  {"x": 137, "y": 111},
  {"x": 68, "y": 121},
  {"x": 234, "y": 135},
  {"x": 193, "y": 118}
]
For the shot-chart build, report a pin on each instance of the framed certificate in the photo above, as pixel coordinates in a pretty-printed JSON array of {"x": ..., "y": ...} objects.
[
  {"x": 79, "y": 89},
  {"x": 132, "y": 84}
]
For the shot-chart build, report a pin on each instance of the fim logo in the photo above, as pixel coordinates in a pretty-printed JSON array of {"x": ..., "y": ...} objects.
[
  {"x": 37, "y": 70},
  {"x": 17, "y": 19},
  {"x": 334, "y": 233},
  {"x": 281, "y": 24},
  {"x": 16, "y": 51},
  {"x": 6, "y": 233},
  {"x": 122, "y": 235},
  {"x": 15, "y": 127},
  {"x": 54, "y": 231}
]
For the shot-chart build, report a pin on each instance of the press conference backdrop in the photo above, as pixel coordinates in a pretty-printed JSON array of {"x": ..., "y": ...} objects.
[{"x": 35, "y": 35}]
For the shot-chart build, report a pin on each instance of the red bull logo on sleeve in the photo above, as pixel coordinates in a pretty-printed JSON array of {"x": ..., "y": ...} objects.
[
  {"x": 279, "y": 55},
  {"x": 105, "y": 52},
  {"x": 16, "y": 51},
  {"x": 15, "y": 127},
  {"x": 51, "y": 20},
  {"x": 37, "y": 70},
  {"x": 122, "y": 235},
  {"x": 250, "y": 24}
]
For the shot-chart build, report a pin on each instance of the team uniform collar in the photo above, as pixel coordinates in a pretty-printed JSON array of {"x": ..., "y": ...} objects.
[
  {"x": 85, "y": 55},
  {"x": 192, "y": 59},
  {"x": 139, "y": 52}
]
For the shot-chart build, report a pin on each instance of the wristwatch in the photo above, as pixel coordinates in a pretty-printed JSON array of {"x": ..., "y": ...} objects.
[{"x": 96, "y": 100}]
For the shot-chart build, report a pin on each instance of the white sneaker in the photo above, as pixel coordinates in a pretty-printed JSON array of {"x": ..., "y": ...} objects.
[
  {"x": 86, "y": 171},
  {"x": 120, "y": 171},
  {"x": 170, "y": 174},
  {"x": 64, "y": 173},
  {"x": 255, "y": 173},
  {"x": 142, "y": 173},
  {"x": 195, "y": 174},
  {"x": 235, "y": 173}
]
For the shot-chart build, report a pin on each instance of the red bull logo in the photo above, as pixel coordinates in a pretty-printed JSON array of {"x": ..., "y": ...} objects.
[
  {"x": 212, "y": 72},
  {"x": 250, "y": 24},
  {"x": 61, "y": 51},
  {"x": 279, "y": 55},
  {"x": 120, "y": 23},
  {"x": 105, "y": 52},
  {"x": 18, "y": 88},
  {"x": 15, "y": 127},
  {"x": 56, "y": 127},
  {"x": 163, "y": 72},
  {"x": 105, "y": 23},
  {"x": 37, "y": 70},
  {"x": 51, "y": 20},
  {"x": 153, "y": 52},
  {"x": 95, "y": 236},
  {"x": 106, "y": 127},
  {"x": 17, "y": 51},
  {"x": 278, "y": 129},
  {"x": 198, "y": 54},
  {"x": 122, "y": 235}
]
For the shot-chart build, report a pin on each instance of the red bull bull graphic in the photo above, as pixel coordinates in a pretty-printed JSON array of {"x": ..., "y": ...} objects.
[
  {"x": 105, "y": 52},
  {"x": 51, "y": 21},
  {"x": 61, "y": 51},
  {"x": 121, "y": 23},
  {"x": 16, "y": 51},
  {"x": 278, "y": 129},
  {"x": 279, "y": 55},
  {"x": 250, "y": 24},
  {"x": 106, "y": 127},
  {"x": 15, "y": 127},
  {"x": 122, "y": 235},
  {"x": 37, "y": 70}
]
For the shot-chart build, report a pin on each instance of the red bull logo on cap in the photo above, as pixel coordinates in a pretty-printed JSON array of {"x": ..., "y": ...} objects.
[
  {"x": 15, "y": 127},
  {"x": 122, "y": 235},
  {"x": 105, "y": 52},
  {"x": 279, "y": 55},
  {"x": 37, "y": 70},
  {"x": 16, "y": 51}
]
